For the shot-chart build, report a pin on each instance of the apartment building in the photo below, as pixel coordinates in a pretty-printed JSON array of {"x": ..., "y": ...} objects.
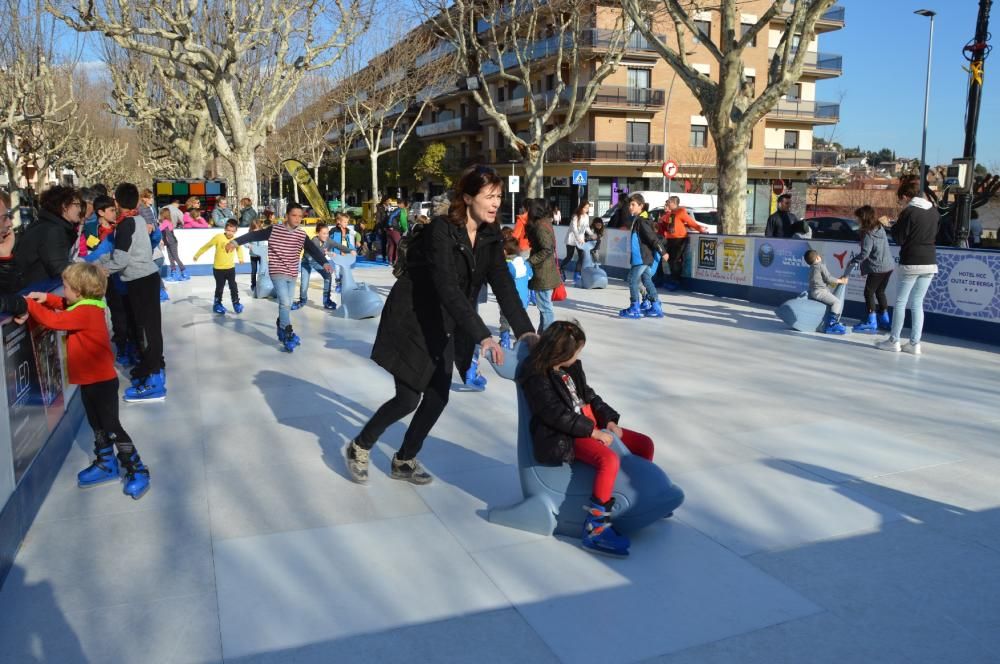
[{"x": 644, "y": 115}]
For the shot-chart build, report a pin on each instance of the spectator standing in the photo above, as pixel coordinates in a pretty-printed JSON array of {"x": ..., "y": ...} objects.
[
  {"x": 915, "y": 232},
  {"x": 43, "y": 250},
  {"x": 248, "y": 214},
  {"x": 556, "y": 214},
  {"x": 10, "y": 280},
  {"x": 146, "y": 207},
  {"x": 543, "y": 262},
  {"x": 193, "y": 219},
  {"x": 674, "y": 227},
  {"x": 783, "y": 223},
  {"x": 176, "y": 215},
  {"x": 222, "y": 215}
]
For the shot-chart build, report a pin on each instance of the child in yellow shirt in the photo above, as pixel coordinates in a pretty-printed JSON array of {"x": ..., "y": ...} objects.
[{"x": 223, "y": 267}]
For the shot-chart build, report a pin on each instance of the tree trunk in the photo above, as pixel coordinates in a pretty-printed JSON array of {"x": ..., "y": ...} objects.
[
  {"x": 197, "y": 163},
  {"x": 281, "y": 186},
  {"x": 343, "y": 180},
  {"x": 732, "y": 174},
  {"x": 374, "y": 158},
  {"x": 295, "y": 188},
  {"x": 245, "y": 171},
  {"x": 534, "y": 168}
]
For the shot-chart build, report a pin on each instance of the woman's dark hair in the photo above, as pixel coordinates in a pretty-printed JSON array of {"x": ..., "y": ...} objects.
[
  {"x": 537, "y": 209},
  {"x": 597, "y": 225},
  {"x": 558, "y": 343},
  {"x": 473, "y": 180},
  {"x": 866, "y": 217},
  {"x": 54, "y": 199},
  {"x": 579, "y": 209},
  {"x": 909, "y": 186}
]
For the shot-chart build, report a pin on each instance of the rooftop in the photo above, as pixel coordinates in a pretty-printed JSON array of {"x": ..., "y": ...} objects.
[{"x": 842, "y": 506}]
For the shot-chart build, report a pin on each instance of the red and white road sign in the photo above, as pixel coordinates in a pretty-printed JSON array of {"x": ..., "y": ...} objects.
[{"x": 670, "y": 169}]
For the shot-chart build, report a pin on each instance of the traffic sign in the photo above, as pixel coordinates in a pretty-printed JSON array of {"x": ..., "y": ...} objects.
[
  {"x": 670, "y": 169},
  {"x": 579, "y": 178},
  {"x": 513, "y": 184}
]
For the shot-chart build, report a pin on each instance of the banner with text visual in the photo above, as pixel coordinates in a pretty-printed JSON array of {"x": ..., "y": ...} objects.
[
  {"x": 778, "y": 264},
  {"x": 966, "y": 285},
  {"x": 725, "y": 259}
]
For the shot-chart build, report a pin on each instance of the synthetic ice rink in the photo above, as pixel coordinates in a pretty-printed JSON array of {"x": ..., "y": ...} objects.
[{"x": 843, "y": 505}]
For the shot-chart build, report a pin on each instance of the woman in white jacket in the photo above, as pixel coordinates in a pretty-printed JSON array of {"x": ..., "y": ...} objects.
[{"x": 579, "y": 233}]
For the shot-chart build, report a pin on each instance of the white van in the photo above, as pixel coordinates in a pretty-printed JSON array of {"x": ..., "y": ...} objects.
[{"x": 703, "y": 207}]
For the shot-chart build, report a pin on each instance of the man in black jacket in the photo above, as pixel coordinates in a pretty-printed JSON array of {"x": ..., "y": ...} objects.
[
  {"x": 43, "y": 250},
  {"x": 783, "y": 223}
]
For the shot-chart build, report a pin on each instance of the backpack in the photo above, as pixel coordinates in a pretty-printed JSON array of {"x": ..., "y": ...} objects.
[
  {"x": 393, "y": 220},
  {"x": 406, "y": 244}
]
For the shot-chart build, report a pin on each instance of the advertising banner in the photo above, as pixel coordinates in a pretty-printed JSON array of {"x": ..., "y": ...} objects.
[
  {"x": 778, "y": 264},
  {"x": 966, "y": 285},
  {"x": 837, "y": 255},
  {"x": 34, "y": 389},
  {"x": 725, "y": 259}
]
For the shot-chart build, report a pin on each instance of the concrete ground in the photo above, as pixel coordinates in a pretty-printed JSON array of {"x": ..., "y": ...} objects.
[{"x": 843, "y": 505}]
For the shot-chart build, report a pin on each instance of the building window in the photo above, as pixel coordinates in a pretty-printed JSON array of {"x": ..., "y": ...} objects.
[
  {"x": 794, "y": 93},
  {"x": 751, "y": 83},
  {"x": 791, "y": 140},
  {"x": 550, "y": 82},
  {"x": 704, "y": 28},
  {"x": 744, "y": 29},
  {"x": 699, "y": 136},
  {"x": 637, "y": 132},
  {"x": 501, "y": 93},
  {"x": 639, "y": 78}
]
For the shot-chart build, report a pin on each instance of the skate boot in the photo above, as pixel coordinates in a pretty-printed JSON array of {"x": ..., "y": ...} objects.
[
  {"x": 505, "y": 341},
  {"x": 337, "y": 288},
  {"x": 357, "y": 462},
  {"x": 531, "y": 299},
  {"x": 577, "y": 280},
  {"x": 329, "y": 304},
  {"x": 599, "y": 536},
  {"x": 218, "y": 308},
  {"x": 148, "y": 390},
  {"x": 632, "y": 312},
  {"x": 281, "y": 330},
  {"x": 122, "y": 355},
  {"x": 290, "y": 339},
  {"x": 654, "y": 310},
  {"x": 172, "y": 276},
  {"x": 473, "y": 378},
  {"x": 644, "y": 305},
  {"x": 104, "y": 467},
  {"x": 136, "y": 476},
  {"x": 184, "y": 275},
  {"x": 884, "y": 321},
  {"x": 868, "y": 325},
  {"x": 410, "y": 471},
  {"x": 237, "y": 307},
  {"x": 298, "y": 304},
  {"x": 164, "y": 296},
  {"x": 833, "y": 325}
]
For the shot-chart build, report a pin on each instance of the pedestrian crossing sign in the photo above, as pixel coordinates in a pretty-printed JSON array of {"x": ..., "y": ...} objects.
[{"x": 579, "y": 178}]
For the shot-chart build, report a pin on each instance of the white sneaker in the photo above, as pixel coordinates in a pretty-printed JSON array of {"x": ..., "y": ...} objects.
[
  {"x": 889, "y": 344},
  {"x": 912, "y": 349}
]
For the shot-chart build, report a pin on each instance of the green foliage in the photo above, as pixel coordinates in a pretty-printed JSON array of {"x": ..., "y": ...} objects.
[{"x": 436, "y": 163}]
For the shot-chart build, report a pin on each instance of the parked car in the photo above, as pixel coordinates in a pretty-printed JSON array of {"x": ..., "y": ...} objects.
[
  {"x": 834, "y": 228},
  {"x": 658, "y": 200},
  {"x": 421, "y": 207}
]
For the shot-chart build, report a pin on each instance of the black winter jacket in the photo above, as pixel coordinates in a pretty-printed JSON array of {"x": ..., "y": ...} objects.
[
  {"x": 429, "y": 319},
  {"x": 554, "y": 424},
  {"x": 649, "y": 239},
  {"x": 42, "y": 251},
  {"x": 916, "y": 232}
]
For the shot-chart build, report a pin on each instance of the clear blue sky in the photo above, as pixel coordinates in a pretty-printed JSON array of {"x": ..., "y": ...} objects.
[{"x": 884, "y": 45}]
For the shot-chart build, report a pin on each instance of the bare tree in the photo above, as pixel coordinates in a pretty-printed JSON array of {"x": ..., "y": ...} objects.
[
  {"x": 310, "y": 123},
  {"x": 341, "y": 136},
  {"x": 247, "y": 57},
  {"x": 728, "y": 104},
  {"x": 513, "y": 44},
  {"x": 171, "y": 115},
  {"x": 98, "y": 158},
  {"x": 389, "y": 95}
]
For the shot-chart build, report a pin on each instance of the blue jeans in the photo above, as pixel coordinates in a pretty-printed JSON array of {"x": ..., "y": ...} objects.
[
  {"x": 547, "y": 315},
  {"x": 307, "y": 270},
  {"x": 284, "y": 289},
  {"x": 911, "y": 292},
  {"x": 639, "y": 273}
]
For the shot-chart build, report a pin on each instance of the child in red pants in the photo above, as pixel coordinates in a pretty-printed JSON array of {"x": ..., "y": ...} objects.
[{"x": 570, "y": 421}]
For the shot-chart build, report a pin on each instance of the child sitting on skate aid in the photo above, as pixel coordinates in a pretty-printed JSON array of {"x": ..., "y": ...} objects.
[{"x": 570, "y": 421}]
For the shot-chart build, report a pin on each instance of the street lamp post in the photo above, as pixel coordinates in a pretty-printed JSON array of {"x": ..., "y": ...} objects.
[{"x": 927, "y": 98}]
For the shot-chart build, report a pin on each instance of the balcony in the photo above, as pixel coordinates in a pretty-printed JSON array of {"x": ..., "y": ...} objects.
[
  {"x": 832, "y": 19},
  {"x": 452, "y": 126},
  {"x": 799, "y": 158},
  {"x": 812, "y": 112},
  {"x": 618, "y": 96},
  {"x": 591, "y": 151},
  {"x": 820, "y": 65}
]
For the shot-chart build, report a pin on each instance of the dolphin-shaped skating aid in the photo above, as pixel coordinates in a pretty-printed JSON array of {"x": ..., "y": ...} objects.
[
  {"x": 357, "y": 301},
  {"x": 591, "y": 276},
  {"x": 554, "y": 496}
]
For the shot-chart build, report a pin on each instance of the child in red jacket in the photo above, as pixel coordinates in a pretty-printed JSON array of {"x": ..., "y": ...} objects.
[{"x": 90, "y": 363}]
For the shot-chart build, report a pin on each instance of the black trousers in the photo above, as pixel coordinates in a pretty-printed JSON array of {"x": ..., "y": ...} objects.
[
  {"x": 571, "y": 252},
  {"x": 254, "y": 265},
  {"x": 875, "y": 284},
  {"x": 122, "y": 325},
  {"x": 222, "y": 277},
  {"x": 677, "y": 247},
  {"x": 429, "y": 405},
  {"x": 100, "y": 403},
  {"x": 144, "y": 301}
]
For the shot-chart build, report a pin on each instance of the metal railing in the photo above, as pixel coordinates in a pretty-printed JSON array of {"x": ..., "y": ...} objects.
[
  {"x": 800, "y": 109},
  {"x": 619, "y": 95},
  {"x": 448, "y": 126},
  {"x": 603, "y": 151},
  {"x": 819, "y": 62},
  {"x": 799, "y": 158},
  {"x": 835, "y": 14}
]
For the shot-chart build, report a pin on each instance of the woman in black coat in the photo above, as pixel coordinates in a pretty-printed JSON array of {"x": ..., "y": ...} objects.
[
  {"x": 43, "y": 250},
  {"x": 429, "y": 322}
]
